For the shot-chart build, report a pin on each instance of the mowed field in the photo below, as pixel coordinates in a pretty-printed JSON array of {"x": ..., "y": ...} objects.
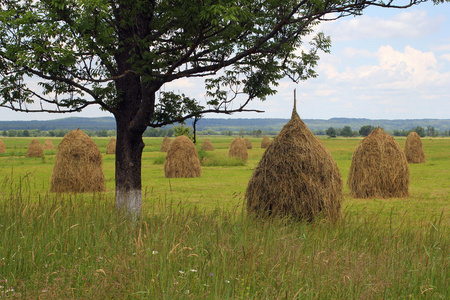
[{"x": 195, "y": 241}]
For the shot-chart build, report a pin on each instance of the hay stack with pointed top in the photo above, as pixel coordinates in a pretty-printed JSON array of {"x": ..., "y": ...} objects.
[
  {"x": 34, "y": 149},
  {"x": 2, "y": 147},
  {"x": 414, "y": 149},
  {"x": 111, "y": 148},
  {"x": 48, "y": 145},
  {"x": 296, "y": 177},
  {"x": 165, "y": 144},
  {"x": 207, "y": 145},
  {"x": 182, "y": 159},
  {"x": 78, "y": 165},
  {"x": 379, "y": 168},
  {"x": 248, "y": 143},
  {"x": 265, "y": 142},
  {"x": 238, "y": 149}
]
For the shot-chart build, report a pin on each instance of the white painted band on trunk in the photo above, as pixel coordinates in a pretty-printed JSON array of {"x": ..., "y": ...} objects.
[{"x": 129, "y": 201}]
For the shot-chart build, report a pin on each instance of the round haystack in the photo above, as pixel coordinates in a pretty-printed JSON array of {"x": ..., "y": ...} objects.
[
  {"x": 182, "y": 159},
  {"x": 48, "y": 145},
  {"x": 111, "y": 148},
  {"x": 78, "y": 165},
  {"x": 2, "y": 147},
  {"x": 248, "y": 143},
  {"x": 379, "y": 168},
  {"x": 265, "y": 142},
  {"x": 165, "y": 144},
  {"x": 34, "y": 149},
  {"x": 238, "y": 149},
  {"x": 296, "y": 177},
  {"x": 414, "y": 149},
  {"x": 207, "y": 145}
]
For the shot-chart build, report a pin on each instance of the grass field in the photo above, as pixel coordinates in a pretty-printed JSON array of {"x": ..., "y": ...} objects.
[{"x": 194, "y": 240}]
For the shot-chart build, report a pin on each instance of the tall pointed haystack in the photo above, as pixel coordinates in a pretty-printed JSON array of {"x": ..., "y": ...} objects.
[
  {"x": 296, "y": 177},
  {"x": 379, "y": 168},
  {"x": 48, "y": 145},
  {"x": 248, "y": 143},
  {"x": 414, "y": 149},
  {"x": 238, "y": 149},
  {"x": 265, "y": 142},
  {"x": 34, "y": 149},
  {"x": 165, "y": 144},
  {"x": 78, "y": 165},
  {"x": 111, "y": 148},
  {"x": 207, "y": 145},
  {"x": 2, "y": 147},
  {"x": 182, "y": 159}
]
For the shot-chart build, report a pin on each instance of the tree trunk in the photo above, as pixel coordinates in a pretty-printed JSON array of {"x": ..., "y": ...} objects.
[{"x": 129, "y": 148}]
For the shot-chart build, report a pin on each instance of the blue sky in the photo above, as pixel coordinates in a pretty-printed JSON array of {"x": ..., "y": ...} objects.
[{"x": 386, "y": 64}]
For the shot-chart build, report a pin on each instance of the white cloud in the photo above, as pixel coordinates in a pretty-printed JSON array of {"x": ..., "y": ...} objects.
[
  {"x": 408, "y": 24},
  {"x": 445, "y": 56}
]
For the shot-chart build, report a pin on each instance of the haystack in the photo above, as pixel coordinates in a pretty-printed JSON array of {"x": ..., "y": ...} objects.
[
  {"x": 207, "y": 145},
  {"x": 238, "y": 149},
  {"x": 248, "y": 143},
  {"x": 265, "y": 142},
  {"x": 2, "y": 147},
  {"x": 379, "y": 168},
  {"x": 78, "y": 165},
  {"x": 296, "y": 177},
  {"x": 34, "y": 149},
  {"x": 414, "y": 149},
  {"x": 48, "y": 145},
  {"x": 111, "y": 148},
  {"x": 182, "y": 159},
  {"x": 165, "y": 144}
]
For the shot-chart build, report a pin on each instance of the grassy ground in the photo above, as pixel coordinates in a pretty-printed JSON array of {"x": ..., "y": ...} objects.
[{"x": 195, "y": 241}]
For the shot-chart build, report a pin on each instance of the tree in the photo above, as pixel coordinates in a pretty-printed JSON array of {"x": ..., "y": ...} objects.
[
  {"x": 347, "y": 131},
  {"x": 331, "y": 132},
  {"x": 366, "y": 130},
  {"x": 419, "y": 130},
  {"x": 119, "y": 53},
  {"x": 5, "y": 133}
]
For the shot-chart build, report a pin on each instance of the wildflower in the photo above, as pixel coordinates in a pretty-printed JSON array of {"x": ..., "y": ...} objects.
[
  {"x": 181, "y": 272},
  {"x": 211, "y": 274},
  {"x": 227, "y": 281},
  {"x": 193, "y": 270},
  {"x": 154, "y": 252}
]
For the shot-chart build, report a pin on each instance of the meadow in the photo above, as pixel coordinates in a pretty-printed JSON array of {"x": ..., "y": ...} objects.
[{"x": 195, "y": 240}]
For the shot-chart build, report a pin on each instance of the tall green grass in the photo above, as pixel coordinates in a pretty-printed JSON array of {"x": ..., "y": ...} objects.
[{"x": 195, "y": 241}]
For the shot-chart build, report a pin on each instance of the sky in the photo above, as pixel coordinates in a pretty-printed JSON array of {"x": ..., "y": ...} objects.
[{"x": 385, "y": 64}]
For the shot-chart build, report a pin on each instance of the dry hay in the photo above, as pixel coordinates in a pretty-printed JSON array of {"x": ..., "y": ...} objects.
[
  {"x": 207, "y": 145},
  {"x": 2, "y": 147},
  {"x": 182, "y": 159},
  {"x": 296, "y": 177},
  {"x": 414, "y": 149},
  {"x": 48, "y": 145},
  {"x": 111, "y": 148},
  {"x": 265, "y": 142},
  {"x": 165, "y": 144},
  {"x": 238, "y": 149},
  {"x": 78, "y": 165},
  {"x": 248, "y": 143},
  {"x": 379, "y": 168},
  {"x": 34, "y": 149}
]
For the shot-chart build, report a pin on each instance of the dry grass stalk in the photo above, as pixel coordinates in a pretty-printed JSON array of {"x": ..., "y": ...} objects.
[
  {"x": 2, "y": 147},
  {"x": 207, "y": 145},
  {"x": 414, "y": 149},
  {"x": 265, "y": 142},
  {"x": 48, "y": 145},
  {"x": 111, "y": 148},
  {"x": 78, "y": 165},
  {"x": 248, "y": 143},
  {"x": 238, "y": 149},
  {"x": 182, "y": 159},
  {"x": 35, "y": 149},
  {"x": 296, "y": 177},
  {"x": 379, "y": 168},
  {"x": 165, "y": 144}
]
